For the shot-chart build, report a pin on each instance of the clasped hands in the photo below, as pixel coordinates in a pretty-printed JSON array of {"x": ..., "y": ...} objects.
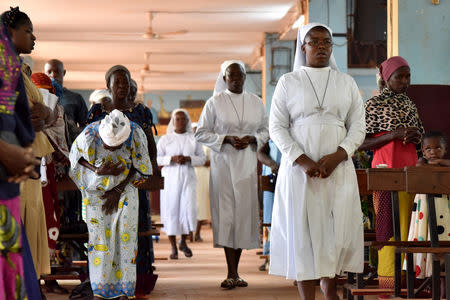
[
  {"x": 239, "y": 143},
  {"x": 109, "y": 168},
  {"x": 325, "y": 166},
  {"x": 408, "y": 135},
  {"x": 22, "y": 164},
  {"x": 180, "y": 159},
  {"x": 111, "y": 197}
]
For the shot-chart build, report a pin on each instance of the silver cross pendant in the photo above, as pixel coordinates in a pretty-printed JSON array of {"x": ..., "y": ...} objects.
[{"x": 320, "y": 109}]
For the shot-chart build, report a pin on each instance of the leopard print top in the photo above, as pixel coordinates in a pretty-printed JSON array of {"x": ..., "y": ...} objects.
[{"x": 389, "y": 111}]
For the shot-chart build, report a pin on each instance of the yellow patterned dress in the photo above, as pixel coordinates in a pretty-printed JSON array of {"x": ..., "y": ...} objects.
[{"x": 112, "y": 245}]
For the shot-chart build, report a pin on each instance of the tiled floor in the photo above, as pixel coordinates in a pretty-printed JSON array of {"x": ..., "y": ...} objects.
[{"x": 199, "y": 277}]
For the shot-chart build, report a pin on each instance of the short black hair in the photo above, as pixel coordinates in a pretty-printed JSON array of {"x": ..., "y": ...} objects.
[
  {"x": 435, "y": 134},
  {"x": 318, "y": 28},
  {"x": 57, "y": 62},
  {"x": 14, "y": 18}
]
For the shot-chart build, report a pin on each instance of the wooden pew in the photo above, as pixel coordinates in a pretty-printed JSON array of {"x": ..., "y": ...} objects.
[
  {"x": 430, "y": 181},
  {"x": 66, "y": 184},
  {"x": 384, "y": 179},
  {"x": 361, "y": 176},
  {"x": 424, "y": 180},
  {"x": 266, "y": 183},
  {"x": 356, "y": 281},
  {"x": 393, "y": 180}
]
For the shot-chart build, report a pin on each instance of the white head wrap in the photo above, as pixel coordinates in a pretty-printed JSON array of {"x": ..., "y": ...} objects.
[
  {"x": 300, "y": 57},
  {"x": 114, "y": 128},
  {"x": 50, "y": 100},
  {"x": 221, "y": 85},
  {"x": 171, "y": 126},
  {"x": 98, "y": 95}
]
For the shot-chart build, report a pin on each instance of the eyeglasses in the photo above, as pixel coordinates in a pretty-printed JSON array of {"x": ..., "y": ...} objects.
[{"x": 316, "y": 43}]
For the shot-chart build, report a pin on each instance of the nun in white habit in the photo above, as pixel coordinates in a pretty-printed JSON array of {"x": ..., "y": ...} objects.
[
  {"x": 233, "y": 124},
  {"x": 317, "y": 121},
  {"x": 178, "y": 153}
]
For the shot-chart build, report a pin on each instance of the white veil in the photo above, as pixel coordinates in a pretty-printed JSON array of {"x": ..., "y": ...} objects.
[
  {"x": 171, "y": 126},
  {"x": 220, "y": 83},
  {"x": 300, "y": 57}
]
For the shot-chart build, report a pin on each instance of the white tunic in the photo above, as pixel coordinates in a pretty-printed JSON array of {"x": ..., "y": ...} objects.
[
  {"x": 178, "y": 204},
  {"x": 317, "y": 228},
  {"x": 233, "y": 184}
]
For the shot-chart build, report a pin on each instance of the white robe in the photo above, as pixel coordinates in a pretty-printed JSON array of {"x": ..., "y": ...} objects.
[
  {"x": 233, "y": 184},
  {"x": 317, "y": 228},
  {"x": 178, "y": 203}
]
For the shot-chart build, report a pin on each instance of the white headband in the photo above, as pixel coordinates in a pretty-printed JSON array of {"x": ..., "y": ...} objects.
[
  {"x": 300, "y": 57},
  {"x": 114, "y": 128},
  {"x": 98, "y": 95},
  {"x": 220, "y": 83}
]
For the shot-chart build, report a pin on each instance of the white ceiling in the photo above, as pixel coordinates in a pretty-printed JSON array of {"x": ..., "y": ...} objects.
[{"x": 90, "y": 36}]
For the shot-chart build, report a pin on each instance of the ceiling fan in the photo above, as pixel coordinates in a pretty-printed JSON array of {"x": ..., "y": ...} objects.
[
  {"x": 151, "y": 35},
  {"x": 142, "y": 89},
  {"x": 145, "y": 71}
]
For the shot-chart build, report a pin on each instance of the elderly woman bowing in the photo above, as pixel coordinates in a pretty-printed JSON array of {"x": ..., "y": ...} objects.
[
  {"x": 104, "y": 159},
  {"x": 118, "y": 82},
  {"x": 233, "y": 124}
]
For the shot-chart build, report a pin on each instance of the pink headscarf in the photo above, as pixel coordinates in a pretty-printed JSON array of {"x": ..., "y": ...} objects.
[{"x": 390, "y": 65}]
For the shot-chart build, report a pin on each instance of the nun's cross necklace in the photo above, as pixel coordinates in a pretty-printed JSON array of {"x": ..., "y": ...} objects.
[
  {"x": 241, "y": 119},
  {"x": 319, "y": 108}
]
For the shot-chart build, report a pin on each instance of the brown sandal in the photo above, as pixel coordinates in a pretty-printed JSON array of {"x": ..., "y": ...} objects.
[
  {"x": 228, "y": 284},
  {"x": 187, "y": 252},
  {"x": 241, "y": 282}
]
